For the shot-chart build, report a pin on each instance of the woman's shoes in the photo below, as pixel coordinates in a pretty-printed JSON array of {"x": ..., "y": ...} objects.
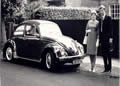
[
  {"x": 92, "y": 70},
  {"x": 89, "y": 70}
]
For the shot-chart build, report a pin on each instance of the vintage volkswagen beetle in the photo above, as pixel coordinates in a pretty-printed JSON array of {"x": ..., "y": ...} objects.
[{"x": 41, "y": 40}]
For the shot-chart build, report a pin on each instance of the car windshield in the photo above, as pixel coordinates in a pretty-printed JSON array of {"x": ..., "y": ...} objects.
[{"x": 50, "y": 30}]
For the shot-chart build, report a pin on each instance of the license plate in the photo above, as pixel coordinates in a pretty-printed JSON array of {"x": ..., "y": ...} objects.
[{"x": 76, "y": 62}]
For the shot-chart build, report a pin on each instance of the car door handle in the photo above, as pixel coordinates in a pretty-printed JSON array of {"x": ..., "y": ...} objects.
[{"x": 23, "y": 38}]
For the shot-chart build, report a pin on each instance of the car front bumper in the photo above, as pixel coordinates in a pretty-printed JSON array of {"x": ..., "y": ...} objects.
[{"x": 71, "y": 59}]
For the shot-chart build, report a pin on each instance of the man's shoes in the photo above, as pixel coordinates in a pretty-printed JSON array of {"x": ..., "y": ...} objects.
[
  {"x": 109, "y": 71},
  {"x": 106, "y": 71}
]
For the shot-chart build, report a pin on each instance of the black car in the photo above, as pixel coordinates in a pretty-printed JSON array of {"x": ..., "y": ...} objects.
[{"x": 43, "y": 41}]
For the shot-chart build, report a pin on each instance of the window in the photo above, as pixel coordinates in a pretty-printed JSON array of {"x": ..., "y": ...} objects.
[
  {"x": 28, "y": 27},
  {"x": 19, "y": 30},
  {"x": 114, "y": 11},
  {"x": 31, "y": 30}
]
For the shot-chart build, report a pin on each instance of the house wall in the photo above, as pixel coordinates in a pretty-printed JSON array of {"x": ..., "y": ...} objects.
[
  {"x": 81, "y": 3},
  {"x": 91, "y": 3}
]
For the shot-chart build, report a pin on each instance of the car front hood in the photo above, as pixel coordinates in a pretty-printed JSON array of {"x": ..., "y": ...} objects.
[{"x": 66, "y": 42}]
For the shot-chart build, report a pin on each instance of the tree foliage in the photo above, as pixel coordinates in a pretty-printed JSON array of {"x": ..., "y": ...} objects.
[
  {"x": 13, "y": 9},
  {"x": 7, "y": 7}
]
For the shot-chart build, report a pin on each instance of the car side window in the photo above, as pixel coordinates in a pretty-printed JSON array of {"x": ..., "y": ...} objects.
[
  {"x": 31, "y": 31},
  {"x": 28, "y": 29},
  {"x": 19, "y": 31}
]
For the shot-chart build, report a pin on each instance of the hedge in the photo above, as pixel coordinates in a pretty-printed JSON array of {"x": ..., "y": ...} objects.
[
  {"x": 61, "y": 13},
  {"x": 55, "y": 13}
]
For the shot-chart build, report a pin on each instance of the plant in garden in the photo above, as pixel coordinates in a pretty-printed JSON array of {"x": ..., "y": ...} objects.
[
  {"x": 15, "y": 9},
  {"x": 7, "y": 7}
]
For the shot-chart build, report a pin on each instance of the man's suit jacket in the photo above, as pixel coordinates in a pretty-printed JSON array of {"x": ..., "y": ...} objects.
[{"x": 106, "y": 33}]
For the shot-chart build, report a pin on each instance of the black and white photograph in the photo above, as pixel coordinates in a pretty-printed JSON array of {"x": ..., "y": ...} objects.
[{"x": 59, "y": 42}]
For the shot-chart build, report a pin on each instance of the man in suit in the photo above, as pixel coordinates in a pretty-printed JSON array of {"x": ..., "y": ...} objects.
[{"x": 106, "y": 38}]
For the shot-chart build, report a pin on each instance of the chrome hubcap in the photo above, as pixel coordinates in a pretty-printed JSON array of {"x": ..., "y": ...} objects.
[
  {"x": 9, "y": 54},
  {"x": 48, "y": 60}
]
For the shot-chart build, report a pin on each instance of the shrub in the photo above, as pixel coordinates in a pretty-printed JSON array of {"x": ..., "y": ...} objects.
[{"x": 61, "y": 13}]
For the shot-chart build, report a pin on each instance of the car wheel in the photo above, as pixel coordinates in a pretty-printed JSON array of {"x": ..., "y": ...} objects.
[
  {"x": 50, "y": 60},
  {"x": 8, "y": 53}
]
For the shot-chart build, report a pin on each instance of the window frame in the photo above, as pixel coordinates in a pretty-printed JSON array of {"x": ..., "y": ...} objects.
[
  {"x": 16, "y": 30},
  {"x": 114, "y": 11},
  {"x": 26, "y": 35}
]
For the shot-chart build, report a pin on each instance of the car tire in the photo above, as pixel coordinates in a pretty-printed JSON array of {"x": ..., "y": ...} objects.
[
  {"x": 8, "y": 53},
  {"x": 50, "y": 61}
]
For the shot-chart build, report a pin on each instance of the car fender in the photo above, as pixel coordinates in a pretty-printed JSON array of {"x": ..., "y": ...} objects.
[
  {"x": 49, "y": 47},
  {"x": 12, "y": 44}
]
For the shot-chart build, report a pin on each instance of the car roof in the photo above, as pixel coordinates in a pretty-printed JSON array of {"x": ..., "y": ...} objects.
[{"x": 37, "y": 22}]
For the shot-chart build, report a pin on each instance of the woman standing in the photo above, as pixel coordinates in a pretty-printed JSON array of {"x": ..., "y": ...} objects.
[{"x": 92, "y": 32}]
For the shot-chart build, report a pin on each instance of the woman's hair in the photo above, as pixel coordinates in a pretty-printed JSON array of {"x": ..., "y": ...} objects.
[{"x": 93, "y": 12}]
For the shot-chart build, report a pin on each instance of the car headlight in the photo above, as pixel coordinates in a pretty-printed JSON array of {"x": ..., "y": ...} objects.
[{"x": 60, "y": 51}]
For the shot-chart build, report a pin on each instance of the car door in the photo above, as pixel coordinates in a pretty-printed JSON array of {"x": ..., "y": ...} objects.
[
  {"x": 33, "y": 42},
  {"x": 19, "y": 40}
]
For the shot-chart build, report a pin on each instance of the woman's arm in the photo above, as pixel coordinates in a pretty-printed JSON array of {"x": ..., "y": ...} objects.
[
  {"x": 87, "y": 28},
  {"x": 97, "y": 29}
]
